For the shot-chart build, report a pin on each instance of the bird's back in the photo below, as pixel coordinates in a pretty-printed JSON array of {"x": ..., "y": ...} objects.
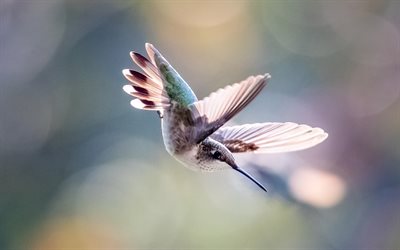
[{"x": 177, "y": 89}]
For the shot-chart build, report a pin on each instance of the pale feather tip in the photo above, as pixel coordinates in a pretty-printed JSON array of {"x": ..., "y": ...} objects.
[
  {"x": 151, "y": 50},
  {"x": 136, "y": 56},
  {"x": 128, "y": 89},
  {"x": 133, "y": 54},
  {"x": 149, "y": 46},
  {"x": 136, "y": 103},
  {"x": 325, "y": 136},
  {"x": 126, "y": 72}
]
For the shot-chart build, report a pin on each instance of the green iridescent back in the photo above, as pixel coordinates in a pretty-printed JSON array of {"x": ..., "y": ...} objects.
[{"x": 177, "y": 89}]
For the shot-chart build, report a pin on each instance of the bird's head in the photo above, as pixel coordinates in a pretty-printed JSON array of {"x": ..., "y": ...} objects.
[{"x": 213, "y": 155}]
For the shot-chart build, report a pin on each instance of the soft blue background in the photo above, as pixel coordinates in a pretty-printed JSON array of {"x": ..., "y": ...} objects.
[{"x": 81, "y": 169}]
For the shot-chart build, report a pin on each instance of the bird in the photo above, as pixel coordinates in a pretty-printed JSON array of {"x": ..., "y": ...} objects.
[{"x": 195, "y": 131}]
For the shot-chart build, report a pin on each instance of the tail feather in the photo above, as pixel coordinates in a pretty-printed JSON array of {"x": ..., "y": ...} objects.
[
  {"x": 147, "y": 87},
  {"x": 149, "y": 68},
  {"x": 150, "y": 51},
  {"x": 140, "y": 80},
  {"x": 144, "y": 94},
  {"x": 146, "y": 105}
]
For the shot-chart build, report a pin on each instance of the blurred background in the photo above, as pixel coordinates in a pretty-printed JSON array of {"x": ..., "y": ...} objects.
[{"x": 81, "y": 169}]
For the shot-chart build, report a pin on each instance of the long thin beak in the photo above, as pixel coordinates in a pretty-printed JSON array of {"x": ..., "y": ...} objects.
[{"x": 235, "y": 167}]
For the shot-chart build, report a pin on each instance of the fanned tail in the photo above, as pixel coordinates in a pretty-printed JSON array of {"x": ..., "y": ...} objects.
[{"x": 147, "y": 87}]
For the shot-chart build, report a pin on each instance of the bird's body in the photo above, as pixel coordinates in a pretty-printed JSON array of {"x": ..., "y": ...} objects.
[
  {"x": 192, "y": 129},
  {"x": 176, "y": 131}
]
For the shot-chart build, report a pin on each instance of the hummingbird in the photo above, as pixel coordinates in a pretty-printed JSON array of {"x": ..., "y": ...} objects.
[{"x": 193, "y": 130}]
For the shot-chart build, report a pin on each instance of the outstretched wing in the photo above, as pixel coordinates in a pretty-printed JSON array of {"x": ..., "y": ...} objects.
[
  {"x": 147, "y": 87},
  {"x": 269, "y": 137},
  {"x": 215, "y": 110},
  {"x": 158, "y": 85}
]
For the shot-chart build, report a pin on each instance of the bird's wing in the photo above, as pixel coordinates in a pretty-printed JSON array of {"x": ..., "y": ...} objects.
[
  {"x": 147, "y": 87},
  {"x": 270, "y": 137},
  {"x": 215, "y": 110},
  {"x": 159, "y": 85}
]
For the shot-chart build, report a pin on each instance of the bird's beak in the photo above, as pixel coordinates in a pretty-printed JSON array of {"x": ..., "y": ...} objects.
[{"x": 235, "y": 167}]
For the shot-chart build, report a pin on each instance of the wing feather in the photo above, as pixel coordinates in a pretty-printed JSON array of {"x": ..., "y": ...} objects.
[
  {"x": 269, "y": 137},
  {"x": 219, "y": 107},
  {"x": 147, "y": 87},
  {"x": 149, "y": 68}
]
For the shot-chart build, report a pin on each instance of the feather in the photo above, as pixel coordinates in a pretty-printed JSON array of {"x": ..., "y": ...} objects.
[
  {"x": 146, "y": 105},
  {"x": 148, "y": 86},
  {"x": 142, "y": 93},
  {"x": 215, "y": 110},
  {"x": 145, "y": 65},
  {"x": 269, "y": 137},
  {"x": 139, "y": 79}
]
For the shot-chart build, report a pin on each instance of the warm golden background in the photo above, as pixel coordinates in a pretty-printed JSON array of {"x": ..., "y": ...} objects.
[{"x": 81, "y": 169}]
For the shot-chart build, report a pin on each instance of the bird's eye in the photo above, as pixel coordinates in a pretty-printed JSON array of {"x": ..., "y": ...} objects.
[{"x": 217, "y": 155}]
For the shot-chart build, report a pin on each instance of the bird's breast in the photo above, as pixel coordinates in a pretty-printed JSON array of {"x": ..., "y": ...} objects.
[
  {"x": 176, "y": 132},
  {"x": 191, "y": 160},
  {"x": 188, "y": 159}
]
